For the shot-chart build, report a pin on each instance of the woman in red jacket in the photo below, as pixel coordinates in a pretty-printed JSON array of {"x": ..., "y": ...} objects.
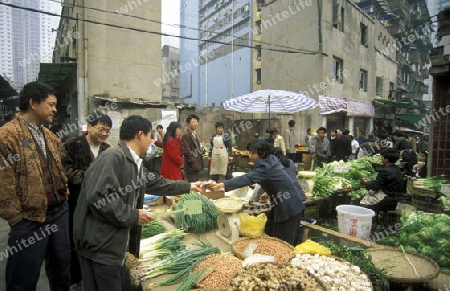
[{"x": 172, "y": 157}]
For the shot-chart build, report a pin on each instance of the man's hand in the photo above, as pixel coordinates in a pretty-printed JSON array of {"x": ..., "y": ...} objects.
[
  {"x": 263, "y": 198},
  {"x": 144, "y": 217},
  {"x": 365, "y": 180},
  {"x": 197, "y": 186},
  {"x": 216, "y": 186}
]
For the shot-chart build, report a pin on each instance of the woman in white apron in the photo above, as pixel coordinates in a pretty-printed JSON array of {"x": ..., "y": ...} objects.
[{"x": 220, "y": 152}]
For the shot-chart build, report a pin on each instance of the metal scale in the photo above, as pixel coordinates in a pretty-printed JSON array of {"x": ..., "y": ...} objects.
[{"x": 228, "y": 221}]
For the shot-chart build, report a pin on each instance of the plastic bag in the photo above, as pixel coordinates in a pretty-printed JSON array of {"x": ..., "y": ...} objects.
[
  {"x": 311, "y": 247},
  {"x": 257, "y": 258},
  {"x": 252, "y": 226}
]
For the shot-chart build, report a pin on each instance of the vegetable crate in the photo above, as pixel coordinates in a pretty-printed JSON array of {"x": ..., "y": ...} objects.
[{"x": 426, "y": 203}]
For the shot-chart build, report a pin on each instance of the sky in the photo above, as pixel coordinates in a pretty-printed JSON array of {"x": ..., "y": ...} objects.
[{"x": 170, "y": 14}]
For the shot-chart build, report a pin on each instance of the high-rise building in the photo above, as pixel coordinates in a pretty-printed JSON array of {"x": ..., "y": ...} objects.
[
  {"x": 27, "y": 39},
  {"x": 216, "y": 63}
]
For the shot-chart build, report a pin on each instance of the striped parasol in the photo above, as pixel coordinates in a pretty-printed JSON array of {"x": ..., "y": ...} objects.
[{"x": 267, "y": 101}]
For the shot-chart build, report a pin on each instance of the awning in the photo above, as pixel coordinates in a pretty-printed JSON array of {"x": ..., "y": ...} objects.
[
  {"x": 409, "y": 117},
  {"x": 359, "y": 108},
  {"x": 390, "y": 103},
  {"x": 330, "y": 105},
  {"x": 55, "y": 74},
  {"x": 401, "y": 89}
]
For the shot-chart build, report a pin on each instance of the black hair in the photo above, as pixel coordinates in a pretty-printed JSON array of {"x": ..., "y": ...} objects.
[
  {"x": 36, "y": 91},
  {"x": 159, "y": 126},
  {"x": 219, "y": 123},
  {"x": 171, "y": 131},
  {"x": 397, "y": 133},
  {"x": 351, "y": 137},
  {"x": 382, "y": 135},
  {"x": 285, "y": 161},
  {"x": 261, "y": 147},
  {"x": 322, "y": 129},
  {"x": 96, "y": 117},
  {"x": 361, "y": 131},
  {"x": 425, "y": 153},
  {"x": 345, "y": 132},
  {"x": 275, "y": 129},
  {"x": 269, "y": 130},
  {"x": 308, "y": 130},
  {"x": 132, "y": 125},
  {"x": 291, "y": 123},
  {"x": 190, "y": 116},
  {"x": 391, "y": 154}
]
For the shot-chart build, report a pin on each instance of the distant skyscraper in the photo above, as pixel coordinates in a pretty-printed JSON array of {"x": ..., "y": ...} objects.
[{"x": 27, "y": 39}]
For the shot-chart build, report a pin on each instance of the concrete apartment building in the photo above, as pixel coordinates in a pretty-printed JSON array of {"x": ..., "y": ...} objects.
[
  {"x": 170, "y": 80},
  {"x": 341, "y": 57},
  {"x": 109, "y": 53}
]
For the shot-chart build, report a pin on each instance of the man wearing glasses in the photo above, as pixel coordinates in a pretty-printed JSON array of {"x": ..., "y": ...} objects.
[{"x": 77, "y": 154}]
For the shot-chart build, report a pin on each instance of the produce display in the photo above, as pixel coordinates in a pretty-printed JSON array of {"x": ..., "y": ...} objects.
[
  {"x": 327, "y": 181},
  {"x": 424, "y": 233},
  {"x": 196, "y": 223},
  {"x": 281, "y": 250},
  {"x": 152, "y": 228},
  {"x": 224, "y": 265},
  {"x": 355, "y": 256},
  {"x": 337, "y": 275},
  {"x": 445, "y": 200},
  {"x": 433, "y": 183},
  {"x": 268, "y": 276},
  {"x": 161, "y": 245}
]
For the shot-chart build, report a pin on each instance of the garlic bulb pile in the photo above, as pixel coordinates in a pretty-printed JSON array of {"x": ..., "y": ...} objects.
[{"x": 339, "y": 276}]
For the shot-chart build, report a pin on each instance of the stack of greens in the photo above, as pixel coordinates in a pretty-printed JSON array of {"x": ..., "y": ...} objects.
[
  {"x": 196, "y": 223},
  {"x": 425, "y": 233},
  {"x": 152, "y": 228},
  {"x": 326, "y": 181},
  {"x": 433, "y": 183},
  {"x": 161, "y": 245},
  {"x": 179, "y": 263}
]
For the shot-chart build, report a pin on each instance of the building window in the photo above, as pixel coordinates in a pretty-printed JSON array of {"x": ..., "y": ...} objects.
[
  {"x": 258, "y": 76},
  {"x": 258, "y": 52},
  {"x": 364, "y": 35},
  {"x": 258, "y": 27},
  {"x": 363, "y": 80},
  {"x": 379, "y": 86},
  {"x": 338, "y": 15},
  {"x": 405, "y": 76},
  {"x": 338, "y": 67}
]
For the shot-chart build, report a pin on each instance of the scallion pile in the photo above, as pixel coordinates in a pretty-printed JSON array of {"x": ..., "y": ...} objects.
[
  {"x": 152, "y": 228},
  {"x": 179, "y": 263},
  {"x": 161, "y": 245},
  {"x": 196, "y": 223}
]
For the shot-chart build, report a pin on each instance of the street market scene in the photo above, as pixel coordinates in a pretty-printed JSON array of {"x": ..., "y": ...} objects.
[{"x": 225, "y": 145}]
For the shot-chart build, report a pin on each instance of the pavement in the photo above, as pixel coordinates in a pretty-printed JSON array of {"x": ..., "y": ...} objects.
[{"x": 43, "y": 282}]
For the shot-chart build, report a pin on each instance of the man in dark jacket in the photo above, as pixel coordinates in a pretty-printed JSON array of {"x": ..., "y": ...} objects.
[
  {"x": 387, "y": 185},
  {"x": 106, "y": 210},
  {"x": 400, "y": 143},
  {"x": 193, "y": 152},
  {"x": 342, "y": 146},
  {"x": 77, "y": 155},
  {"x": 287, "y": 205}
]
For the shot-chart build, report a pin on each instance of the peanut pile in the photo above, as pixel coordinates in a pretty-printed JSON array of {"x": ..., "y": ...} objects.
[
  {"x": 268, "y": 247},
  {"x": 225, "y": 265},
  {"x": 268, "y": 276}
]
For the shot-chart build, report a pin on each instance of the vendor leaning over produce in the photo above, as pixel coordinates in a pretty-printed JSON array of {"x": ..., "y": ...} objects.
[
  {"x": 287, "y": 205},
  {"x": 106, "y": 208},
  {"x": 387, "y": 185}
]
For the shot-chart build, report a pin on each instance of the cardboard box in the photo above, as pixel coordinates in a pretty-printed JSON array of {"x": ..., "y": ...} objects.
[
  {"x": 168, "y": 200},
  {"x": 214, "y": 194},
  {"x": 158, "y": 201}
]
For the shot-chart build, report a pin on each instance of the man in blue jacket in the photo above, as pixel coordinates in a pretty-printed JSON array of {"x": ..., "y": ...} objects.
[{"x": 287, "y": 205}]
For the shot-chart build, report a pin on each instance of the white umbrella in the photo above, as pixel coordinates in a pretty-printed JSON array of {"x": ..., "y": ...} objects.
[{"x": 267, "y": 101}]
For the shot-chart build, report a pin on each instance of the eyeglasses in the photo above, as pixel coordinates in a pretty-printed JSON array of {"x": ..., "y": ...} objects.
[{"x": 106, "y": 131}]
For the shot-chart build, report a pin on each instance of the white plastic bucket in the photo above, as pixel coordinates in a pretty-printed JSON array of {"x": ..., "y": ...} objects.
[{"x": 355, "y": 220}]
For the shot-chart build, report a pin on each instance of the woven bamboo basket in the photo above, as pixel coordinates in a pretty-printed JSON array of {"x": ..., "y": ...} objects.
[
  {"x": 419, "y": 191},
  {"x": 282, "y": 243},
  {"x": 400, "y": 270}
]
